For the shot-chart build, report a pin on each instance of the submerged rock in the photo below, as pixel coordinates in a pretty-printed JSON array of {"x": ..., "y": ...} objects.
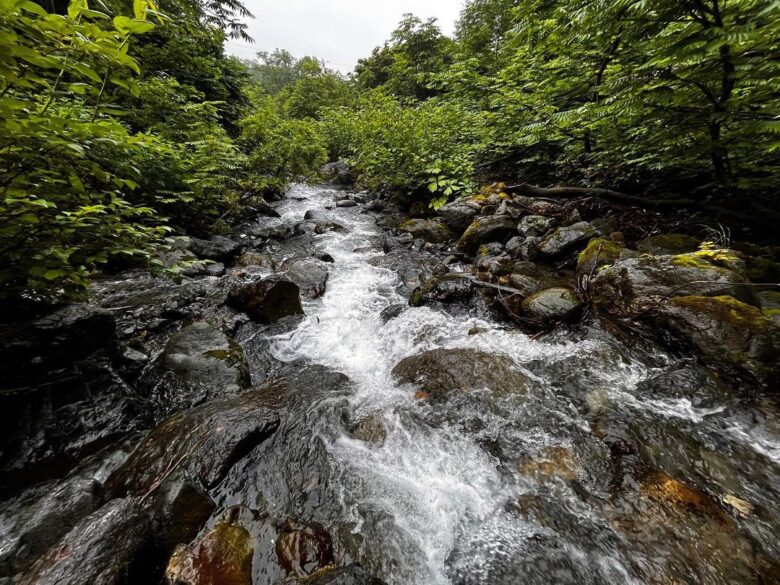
[
  {"x": 441, "y": 371},
  {"x": 552, "y": 304},
  {"x": 566, "y": 238},
  {"x": 430, "y": 230},
  {"x": 727, "y": 332},
  {"x": 97, "y": 551},
  {"x": 491, "y": 228},
  {"x": 266, "y": 300}
]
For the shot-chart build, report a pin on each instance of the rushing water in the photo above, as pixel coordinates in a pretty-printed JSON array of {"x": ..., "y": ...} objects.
[{"x": 569, "y": 483}]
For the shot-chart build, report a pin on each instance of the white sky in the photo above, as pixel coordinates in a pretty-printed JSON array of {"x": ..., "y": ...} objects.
[{"x": 338, "y": 31}]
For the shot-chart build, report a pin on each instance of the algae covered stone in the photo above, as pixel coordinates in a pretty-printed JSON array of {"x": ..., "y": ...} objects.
[{"x": 599, "y": 252}]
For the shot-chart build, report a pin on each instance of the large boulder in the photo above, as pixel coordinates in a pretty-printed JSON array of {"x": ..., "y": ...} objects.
[
  {"x": 217, "y": 248},
  {"x": 266, "y": 300},
  {"x": 439, "y": 372},
  {"x": 633, "y": 286},
  {"x": 483, "y": 230},
  {"x": 99, "y": 550},
  {"x": 338, "y": 173},
  {"x": 727, "y": 332},
  {"x": 199, "y": 362},
  {"x": 204, "y": 442},
  {"x": 459, "y": 214},
  {"x": 323, "y": 221},
  {"x": 551, "y": 305},
  {"x": 430, "y": 230},
  {"x": 566, "y": 238},
  {"x": 309, "y": 274}
]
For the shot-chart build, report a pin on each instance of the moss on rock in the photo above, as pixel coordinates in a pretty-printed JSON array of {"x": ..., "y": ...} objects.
[{"x": 599, "y": 252}]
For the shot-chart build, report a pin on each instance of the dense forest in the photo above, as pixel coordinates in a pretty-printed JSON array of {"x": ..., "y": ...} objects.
[{"x": 124, "y": 125}]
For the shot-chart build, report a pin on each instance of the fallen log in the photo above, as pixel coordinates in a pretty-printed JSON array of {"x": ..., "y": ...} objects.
[{"x": 573, "y": 192}]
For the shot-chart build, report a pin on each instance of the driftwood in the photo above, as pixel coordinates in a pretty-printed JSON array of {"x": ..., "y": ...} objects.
[{"x": 571, "y": 192}]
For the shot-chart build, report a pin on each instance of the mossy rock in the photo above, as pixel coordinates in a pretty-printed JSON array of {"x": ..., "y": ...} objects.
[
  {"x": 666, "y": 244},
  {"x": 728, "y": 333},
  {"x": 447, "y": 288},
  {"x": 707, "y": 258},
  {"x": 430, "y": 230},
  {"x": 770, "y": 305},
  {"x": 599, "y": 252},
  {"x": 483, "y": 230}
]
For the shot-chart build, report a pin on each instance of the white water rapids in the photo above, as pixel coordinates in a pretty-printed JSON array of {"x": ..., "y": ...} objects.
[{"x": 432, "y": 504}]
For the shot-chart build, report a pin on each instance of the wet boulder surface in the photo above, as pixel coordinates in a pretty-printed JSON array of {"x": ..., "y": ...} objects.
[{"x": 511, "y": 389}]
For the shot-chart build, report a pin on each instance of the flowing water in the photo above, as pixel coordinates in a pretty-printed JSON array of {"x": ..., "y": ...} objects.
[{"x": 621, "y": 464}]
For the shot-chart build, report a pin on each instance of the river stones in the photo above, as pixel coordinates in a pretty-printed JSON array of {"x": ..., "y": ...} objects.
[
  {"x": 429, "y": 230},
  {"x": 535, "y": 225},
  {"x": 552, "y": 304},
  {"x": 98, "y": 550},
  {"x": 205, "y": 441},
  {"x": 266, "y": 300},
  {"x": 217, "y": 248},
  {"x": 483, "y": 230},
  {"x": 303, "y": 549},
  {"x": 309, "y": 274},
  {"x": 222, "y": 556},
  {"x": 438, "y": 372},
  {"x": 636, "y": 285},
  {"x": 338, "y": 173},
  {"x": 727, "y": 332},
  {"x": 198, "y": 362},
  {"x": 446, "y": 288},
  {"x": 598, "y": 253},
  {"x": 566, "y": 238},
  {"x": 458, "y": 215},
  {"x": 323, "y": 221}
]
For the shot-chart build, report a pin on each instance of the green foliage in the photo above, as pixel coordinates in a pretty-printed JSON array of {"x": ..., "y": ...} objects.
[
  {"x": 62, "y": 211},
  {"x": 429, "y": 148}
]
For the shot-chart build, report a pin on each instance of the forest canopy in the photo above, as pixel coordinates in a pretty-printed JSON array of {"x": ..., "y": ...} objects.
[{"x": 125, "y": 123}]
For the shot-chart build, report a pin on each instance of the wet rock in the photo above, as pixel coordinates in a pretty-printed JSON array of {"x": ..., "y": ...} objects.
[
  {"x": 430, "y": 230},
  {"x": 668, "y": 244},
  {"x": 441, "y": 371},
  {"x": 256, "y": 260},
  {"x": 727, "y": 332},
  {"x": 514, "y": 246},
  {"x": 349, "y": 575},
  {"x": 309, "y": 274},
  {"x": 98, "y": 550},
  {"x": 182, "y": 508},
  {"x": 324, "y": 221},
  {"x": 551, "y": 462},
  {"x": 566, "y": 238},
  {"x": 369, "y": 430},
  {"x": 198, "y": 362},
  {"x": 634, "y": 285},
  {"x": 459, "y": 214},
  {"x": 391, "y": 312},
  {"x": 483, "y": 230},
  {"x": 205, "y": 442},
  {"x": 222, "y": 556},
  {"x": 599, "y": 252},
  {"x": 535, "y": 225},
  {"x": 346, "y": 203},
  {"x": 553, "y": 304},
  {"x": 217, "y": 248},
  {"x": 303, "y": 549},
  {"x": 338, "y": 173},
  {"x": 447, "y": 288},
  {"x": 30, "y": 532},
  {"x": 770, "y": 305},
  {"x": 266, "y": 300},
  {"x": 524, "y": 284},
  {"x": 215, "y": 269},
  {"x": 528, "y": 249}
]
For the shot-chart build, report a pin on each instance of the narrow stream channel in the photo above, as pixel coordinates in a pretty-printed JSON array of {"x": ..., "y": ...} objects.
[{"x": 567, "y": 483}]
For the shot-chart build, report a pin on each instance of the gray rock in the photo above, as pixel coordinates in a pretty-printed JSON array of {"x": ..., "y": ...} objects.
[
  {"x": 566, "y": 238},
  {"x": 346, "y": 203},
  {"x": 552, "y": 304},
  {"x": 458, "y": 215},
  {"x": 493, "y": 228},
  {"x": 535, "y": 225},
  {"x": 430, "y": 230},
  {"x": 324, "y": 221},
  {"x": 665, "y": 244},
  {"x": 441, "y": 371},
  {"x": 97, "y": 551},
  {"x": 447, "y": 288},
  {"x": 217, "y": 248},
  {"x": 514, "y": 246},
  {"x": 266, "y": 300},
  {"x": 338, "y": 173},
  {"x": 391, "y": 312},
  {"x": 309, "y": 274},
  {"x": 349, "y": 575}
]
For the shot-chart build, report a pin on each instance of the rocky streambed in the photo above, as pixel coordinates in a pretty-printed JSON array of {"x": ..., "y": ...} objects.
[{"x": 512, "y": 390}]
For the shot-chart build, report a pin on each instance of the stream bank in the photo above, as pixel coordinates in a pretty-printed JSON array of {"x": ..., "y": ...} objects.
[{"x": 512, "y": 390}]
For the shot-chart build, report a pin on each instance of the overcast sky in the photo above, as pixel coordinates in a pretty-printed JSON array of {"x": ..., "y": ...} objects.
[{"x": 339, "y": 31}]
